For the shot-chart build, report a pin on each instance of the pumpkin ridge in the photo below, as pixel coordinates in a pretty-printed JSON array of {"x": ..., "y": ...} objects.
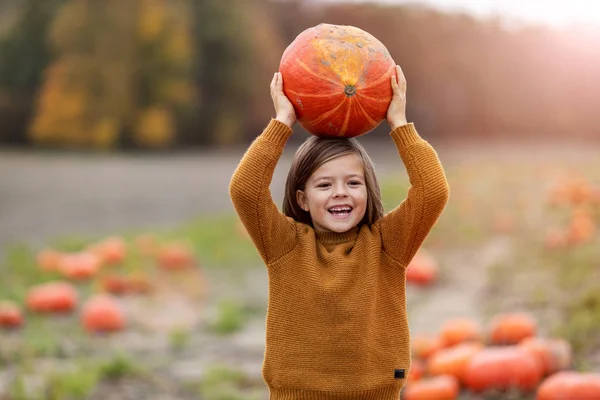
[
  {"x": 378, "y": 81},
  {"x": 329, "y": 113},
  {"x": 346, "y": 118},
  {"x": 375, "y": 99},
  {"x": 314, "y": 96},
  {"x": 367, "y": 116},
  {"x": 307, "y": 69}
]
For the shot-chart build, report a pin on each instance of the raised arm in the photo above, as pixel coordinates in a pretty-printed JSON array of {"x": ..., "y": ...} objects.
[
  {"x": 272, "y": 232},
  {"x": 405, "y": 228}
]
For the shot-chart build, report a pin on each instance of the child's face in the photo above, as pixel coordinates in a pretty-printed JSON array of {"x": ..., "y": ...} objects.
[{"x": 336, "y": 194}]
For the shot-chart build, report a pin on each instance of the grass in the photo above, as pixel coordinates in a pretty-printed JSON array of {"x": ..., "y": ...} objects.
[
  {"x": 231, "y": 317},
  {"x": 219, "y": 241},
  {"x": 75, "y": 382},
  {"x": 179, "y": 339},
  {"x": 119, "y": 366},
  {"x": 71, "y": 385},
  {"x": 225, "y": 383}
]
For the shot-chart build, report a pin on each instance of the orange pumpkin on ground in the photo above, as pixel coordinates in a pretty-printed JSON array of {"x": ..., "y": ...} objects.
[
  {"x": 79, "y": 266},
  {"x": 443, "y": 387},
  {"x": 115, "y": 284},
  {"x": 423, "y": 346},
  {"x": 52, "y": 297},
  {"x": 503, "y": 368},
  {"x": 554, "y": 354},
  {"x": 459, "y": 330},
  {"x": 570, "y": 385},
  {"x": 338, "y": 80},
  {"x": 102, "y": 313},
  {"x": 11, "y": 315},
  {"x": 119, "y": 284},
  {"x": 112, "y": 250},
  {"x": 175, "y": 255},
  {"x": 417, "y": 370},
  {"x": 453, "y": 360},
  {"x": 139, "y": 283},
  {"x": 422, "y": 269},
  {"x": 48, "y": 260},
  {"x": 511, "y": 328}
]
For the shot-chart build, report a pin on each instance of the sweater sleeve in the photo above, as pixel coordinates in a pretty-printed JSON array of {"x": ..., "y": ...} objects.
[
  {"x": 405, "y": 228},
  {"x": 273, "y": 233}
]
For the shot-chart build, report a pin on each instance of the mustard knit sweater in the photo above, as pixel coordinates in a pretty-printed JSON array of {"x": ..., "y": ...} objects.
[{"x": 336, "y": 324}]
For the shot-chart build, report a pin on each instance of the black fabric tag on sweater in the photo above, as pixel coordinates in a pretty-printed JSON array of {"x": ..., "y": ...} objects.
[{"x": 399, "y": 374}]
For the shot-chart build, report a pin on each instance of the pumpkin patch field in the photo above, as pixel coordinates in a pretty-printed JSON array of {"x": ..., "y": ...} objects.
[{"x": 503, "y": 298}]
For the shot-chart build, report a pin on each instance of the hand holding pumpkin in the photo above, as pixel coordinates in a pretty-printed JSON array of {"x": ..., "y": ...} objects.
[
  {"x": 396, "y": 114},
  {"x": 284, "y": 110}
]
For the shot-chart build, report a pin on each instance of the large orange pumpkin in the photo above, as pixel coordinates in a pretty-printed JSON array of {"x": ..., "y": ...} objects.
[
  {"x": 48, "y": 260},
  {"x": 102, "y": 313},
  {"x": 338, "y": 79},
  {"x": 422, "y": 269},
  {"x": 424, "y": 346},
  {"x": 79, "y": 266},
  {"x": 570, "y": 385},
  {"x": 175, "y": 256},
  {"x": 459, "y": 330},
  {"x": 52, "y": 297},
  {"x": 511, "y": 328},
  {"x": 112, "y": 250},
  {"x": 417, "y": 370},
  {"x": 503, "y": 368},
  {"x": 11, "y": 315},
  {"x": 453, "y": 360},
  {"x": 554, "y": 354},
  {"x": 443, "y": 387}
]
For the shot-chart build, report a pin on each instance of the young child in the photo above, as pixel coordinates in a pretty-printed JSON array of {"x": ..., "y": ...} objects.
[{"x": 336, "y": 323}]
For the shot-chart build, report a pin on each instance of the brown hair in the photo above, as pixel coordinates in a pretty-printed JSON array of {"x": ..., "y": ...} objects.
[{"x": 313, "y": 153}]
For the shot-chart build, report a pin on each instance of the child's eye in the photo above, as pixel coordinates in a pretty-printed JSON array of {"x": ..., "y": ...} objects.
[
  {"x": 355, "y": 183},
  {"x": 323, "y": 185}
]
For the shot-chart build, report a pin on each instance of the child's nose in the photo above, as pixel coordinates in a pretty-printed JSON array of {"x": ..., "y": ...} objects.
[{"x": 340, "y": 191}]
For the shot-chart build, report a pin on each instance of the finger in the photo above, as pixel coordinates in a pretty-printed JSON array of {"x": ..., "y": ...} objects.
[
  {"x": 279, "y": 81},
  {"x": 274, "y": 80},
  {"x": 401, "y": 78},
  {"x": 394, "y": 81},
  {"x": 394, "y": 84}
]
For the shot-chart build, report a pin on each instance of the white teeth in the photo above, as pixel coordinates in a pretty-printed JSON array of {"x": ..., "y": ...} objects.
[{"x": 340, "y": 209}]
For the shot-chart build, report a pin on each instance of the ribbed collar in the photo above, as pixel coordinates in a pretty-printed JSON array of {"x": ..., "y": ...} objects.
[{"x": 336, "y": 238}]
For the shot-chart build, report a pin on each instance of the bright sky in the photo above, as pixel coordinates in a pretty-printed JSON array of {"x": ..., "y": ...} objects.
[{"x": 558, "y": 13}]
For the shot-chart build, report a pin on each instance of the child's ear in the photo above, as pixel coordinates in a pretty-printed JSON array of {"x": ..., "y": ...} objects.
[{"x": 301, "y": 199}]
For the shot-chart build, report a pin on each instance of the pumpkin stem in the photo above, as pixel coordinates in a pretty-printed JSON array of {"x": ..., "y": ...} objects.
[{"x": 350, "y": 90}]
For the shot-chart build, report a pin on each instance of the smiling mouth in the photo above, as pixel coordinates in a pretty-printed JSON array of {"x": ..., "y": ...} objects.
[{"x": 340, "y": 211}]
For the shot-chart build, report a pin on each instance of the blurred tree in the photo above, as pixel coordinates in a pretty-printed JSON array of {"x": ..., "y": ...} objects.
[
  {"x": 222, "y": 49},
  {"x": 122, "y": 71},
  {"x": 23, "y": 58},
  {"x": 166, "y": 92}
]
